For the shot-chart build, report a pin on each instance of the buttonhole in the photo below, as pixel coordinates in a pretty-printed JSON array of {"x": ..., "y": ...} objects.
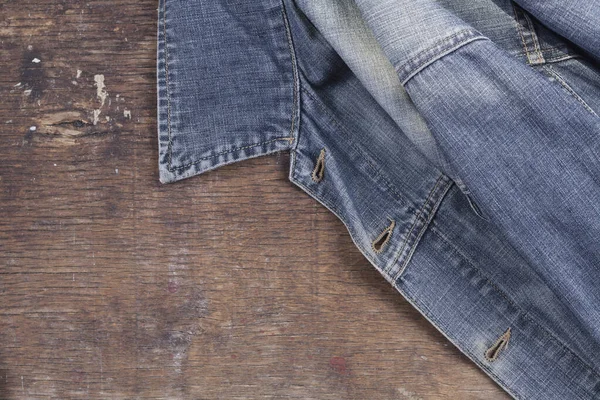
[
  {"x": 384, "y": 237},
  {"x": 502, "y": 343},
  {"x": 319, "y": 170}
]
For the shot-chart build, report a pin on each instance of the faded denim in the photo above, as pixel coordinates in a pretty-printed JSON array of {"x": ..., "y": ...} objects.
[{"x": 457, "y": 140}]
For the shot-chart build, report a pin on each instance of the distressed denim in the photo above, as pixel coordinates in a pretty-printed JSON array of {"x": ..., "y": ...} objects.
[{"x": 457, "y": 140}]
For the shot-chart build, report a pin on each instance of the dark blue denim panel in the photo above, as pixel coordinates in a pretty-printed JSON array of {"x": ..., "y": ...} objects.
[
  {"x": 509, "y": 271},
  {"x": 226, "y": 83},
  {"x": 356, "y": 188},
  {"x": 459, "y": 293}
]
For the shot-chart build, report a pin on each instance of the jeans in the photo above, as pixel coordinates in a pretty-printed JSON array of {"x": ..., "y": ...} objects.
[{"x": 457, "y": 140}]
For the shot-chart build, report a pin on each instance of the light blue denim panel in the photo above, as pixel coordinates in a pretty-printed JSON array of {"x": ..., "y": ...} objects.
[
  {"x": 415, "y": 33},
  {"x": 226, "y": 84},
  {"x": 342, "y": 25}
]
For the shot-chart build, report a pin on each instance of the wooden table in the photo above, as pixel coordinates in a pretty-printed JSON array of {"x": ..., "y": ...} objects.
[{"x": 233, "y": 284}]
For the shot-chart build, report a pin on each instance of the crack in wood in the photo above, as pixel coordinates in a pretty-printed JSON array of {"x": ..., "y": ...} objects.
[{"x": 76, "y": 124}]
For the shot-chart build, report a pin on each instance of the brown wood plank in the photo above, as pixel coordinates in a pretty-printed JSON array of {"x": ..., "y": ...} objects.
[{"x": 229, "y": 285}]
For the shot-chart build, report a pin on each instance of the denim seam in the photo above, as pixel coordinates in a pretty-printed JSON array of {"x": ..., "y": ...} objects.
[
  {"x": 199, "y": 160},
  {"x": 520, "y": 32},
  {"x": 167, "y": 87},
  {"x": 562, "y": 58},
  {"x": 296, "y": 84},
  {"x": 422, "y": 220},
  {"x": 290, "y": 138},
  {"x": 435, "y": 230},
  {"x": 530, "y": 37},
  {"x": 527, "y": 35},
  {"x": 534, "y": 37},
  {"x": 551, "y": 72},
  {"x": 436, "y": 51}
]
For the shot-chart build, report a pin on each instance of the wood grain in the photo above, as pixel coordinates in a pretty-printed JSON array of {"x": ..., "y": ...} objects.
[{"x": 230, "y": 285}]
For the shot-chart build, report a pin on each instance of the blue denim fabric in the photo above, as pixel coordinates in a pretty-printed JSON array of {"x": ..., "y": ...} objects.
[{"x": 457, "y": 140}]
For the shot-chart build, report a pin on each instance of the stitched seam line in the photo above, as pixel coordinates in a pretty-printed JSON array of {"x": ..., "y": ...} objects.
[
  {"x": 295, "y": 84},
  {"x": 425, "y": 224},
  {"x": 524, "y": 313},
  {"x": 550, "y": 71},
  {"x": 534, "y": 37},
  {"x": 229, "y": 151},
  {"x": 562, "y": 58},
  {"x": 421, "y": 223},
  {"x": 520, "y": 31},
  {"x": 417, "y": 218},
  {"x": 436, "y": 51},
  {"x": 170, "y": 143}
]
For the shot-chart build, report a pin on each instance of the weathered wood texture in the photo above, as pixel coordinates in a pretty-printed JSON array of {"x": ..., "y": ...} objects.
[{"x": 229, "y": 285}]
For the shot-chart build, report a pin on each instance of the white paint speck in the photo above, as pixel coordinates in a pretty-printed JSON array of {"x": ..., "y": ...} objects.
[
  {"x": 18, "y": 84},
  {"x": 117, "y": 171},
  {"x": 33, "y": 128},
  {"x": 36, "y": 60},
  {"x": 107, "y": 118},
  {"x": 96, "y": 116},
  {"x": 9, "y": 121},
  {"x": 100, "y": 88},
  {"x": 30, "y": 47},
  {"x": 127, "y": 114},
  {"x": 55, "y": 164},
  {"x": 79, "y": 73},
  {"x": 27, "y": 92}
]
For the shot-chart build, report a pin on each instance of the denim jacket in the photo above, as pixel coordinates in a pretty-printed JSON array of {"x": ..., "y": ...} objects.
[{"x": 457, "y": 140}]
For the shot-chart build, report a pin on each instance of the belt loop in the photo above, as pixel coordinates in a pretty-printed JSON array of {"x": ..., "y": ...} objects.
[{"x": 528, "y": 36}]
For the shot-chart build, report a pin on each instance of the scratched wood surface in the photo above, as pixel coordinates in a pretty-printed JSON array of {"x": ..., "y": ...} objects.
[{"x": 229, "y": 285}]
